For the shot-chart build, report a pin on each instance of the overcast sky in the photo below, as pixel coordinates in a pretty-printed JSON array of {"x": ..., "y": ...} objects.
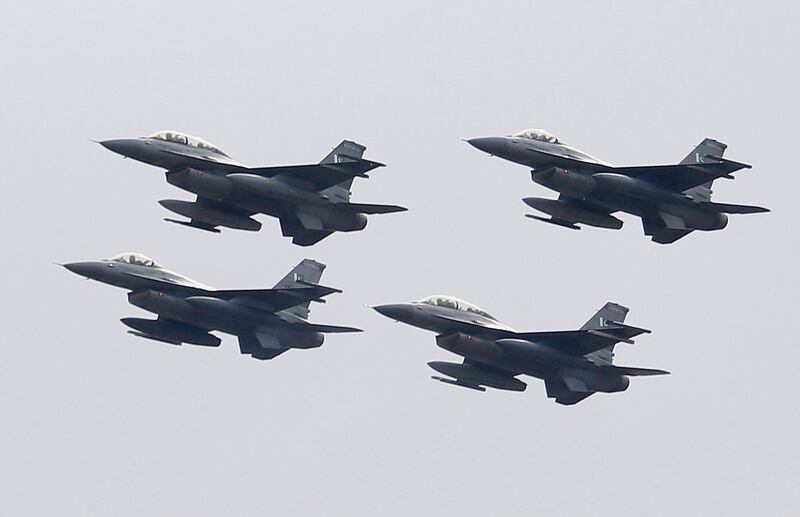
[{"x": 97, "y": 422}]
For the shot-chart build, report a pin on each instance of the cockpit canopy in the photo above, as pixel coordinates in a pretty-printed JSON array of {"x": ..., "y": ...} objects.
[
  {"x": 137, "y": 259},
  {"x": 539, "y": 135},
  {"x": 451, "y": 302},
  {"x": 183, "y": 138}
]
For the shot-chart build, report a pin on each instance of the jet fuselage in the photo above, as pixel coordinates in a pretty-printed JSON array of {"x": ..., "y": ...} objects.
[
  {"x": 311, "y": 201},
  {"x": 485, "y": 341},
  {"x": 181, "y": 299},
  {"x": 572, "y": 172}
]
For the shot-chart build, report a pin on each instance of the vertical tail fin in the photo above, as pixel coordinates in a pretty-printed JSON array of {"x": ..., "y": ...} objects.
[
  {"x": 707, "y": 148},
  {"x": 347, "y": 150},
  {"x": 307, "y": 271},
  {"x": 610, "y": 313}
]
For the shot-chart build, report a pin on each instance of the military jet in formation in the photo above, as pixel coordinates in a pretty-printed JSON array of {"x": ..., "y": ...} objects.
[
  {"x": 268, "y": 322},
  {"x": 574, "y": 364},
  {"x": 311, "y": 201},
  {"x": 672, "y": 200}
]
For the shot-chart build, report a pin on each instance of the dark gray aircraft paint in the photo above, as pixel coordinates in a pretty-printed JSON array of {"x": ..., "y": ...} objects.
[
  {"x": 311, "y": 201},
  {"x": 672, "y": 200},
  {"x": 574, "y": 364},
  {"x": 267, "y": 322}
]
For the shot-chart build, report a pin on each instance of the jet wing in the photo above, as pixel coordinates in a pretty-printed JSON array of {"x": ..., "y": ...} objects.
[
  {"x": 579, "y": 342},
  {"x": 273, "y": 300},
  {"x": 679, "y": 178},
  {"x": 320, "y": 176},
  {"x": 276, "y": 300},
  {"x": 576, "y": 342}
]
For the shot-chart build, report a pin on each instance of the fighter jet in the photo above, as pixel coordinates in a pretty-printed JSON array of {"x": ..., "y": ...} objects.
[
  {"x": 574, "y": 364},
  {"x": 672, "y": 200},
  {"x": 268, "y": 322},
  {"x": 311, "y": 201}
]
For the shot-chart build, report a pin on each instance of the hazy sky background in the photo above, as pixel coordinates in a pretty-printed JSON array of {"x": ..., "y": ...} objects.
[{"x": 97, "y": 422}]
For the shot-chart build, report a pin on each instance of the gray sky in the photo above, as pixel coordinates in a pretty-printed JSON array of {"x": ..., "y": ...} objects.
[{"x": 96, "y": 422}]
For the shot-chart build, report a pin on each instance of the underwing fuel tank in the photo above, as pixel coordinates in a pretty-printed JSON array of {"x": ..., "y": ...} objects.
[
  {"x": 171, "y": 331},
  {"x": 573, "y": 213},
  {"x": 210, "y": 215},
  {"x": 473, "y": 377},
  {"x": 563, "y": 180}
]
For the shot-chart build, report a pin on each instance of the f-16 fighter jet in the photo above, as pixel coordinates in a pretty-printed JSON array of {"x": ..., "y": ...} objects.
[
  {"x": 267, "y": 322},
  {"x": 672, "y": 200},
  {"x": 574, "y": 364},
  {"x": 311, "y": 201}
]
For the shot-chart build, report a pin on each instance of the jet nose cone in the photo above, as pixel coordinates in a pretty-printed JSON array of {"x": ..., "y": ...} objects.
[
  {"x": 493, "y": 145},
  {"x": 123, "y": 146},
  {"x": 80, "y": 268},
  {"x": 395, "y": 311}
]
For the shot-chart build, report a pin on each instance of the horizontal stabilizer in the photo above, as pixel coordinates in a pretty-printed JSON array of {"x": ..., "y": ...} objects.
[
  {"x": 729, "y": 165},
  {"x": 626, "y": 331},
  {"x": 558, "y": 222},
  {"x": 329, "y": 290},
  {"x": 366, "y": 208},
  {"x": 611, "y": 336},
  {"x": 735, "y": 209}
]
